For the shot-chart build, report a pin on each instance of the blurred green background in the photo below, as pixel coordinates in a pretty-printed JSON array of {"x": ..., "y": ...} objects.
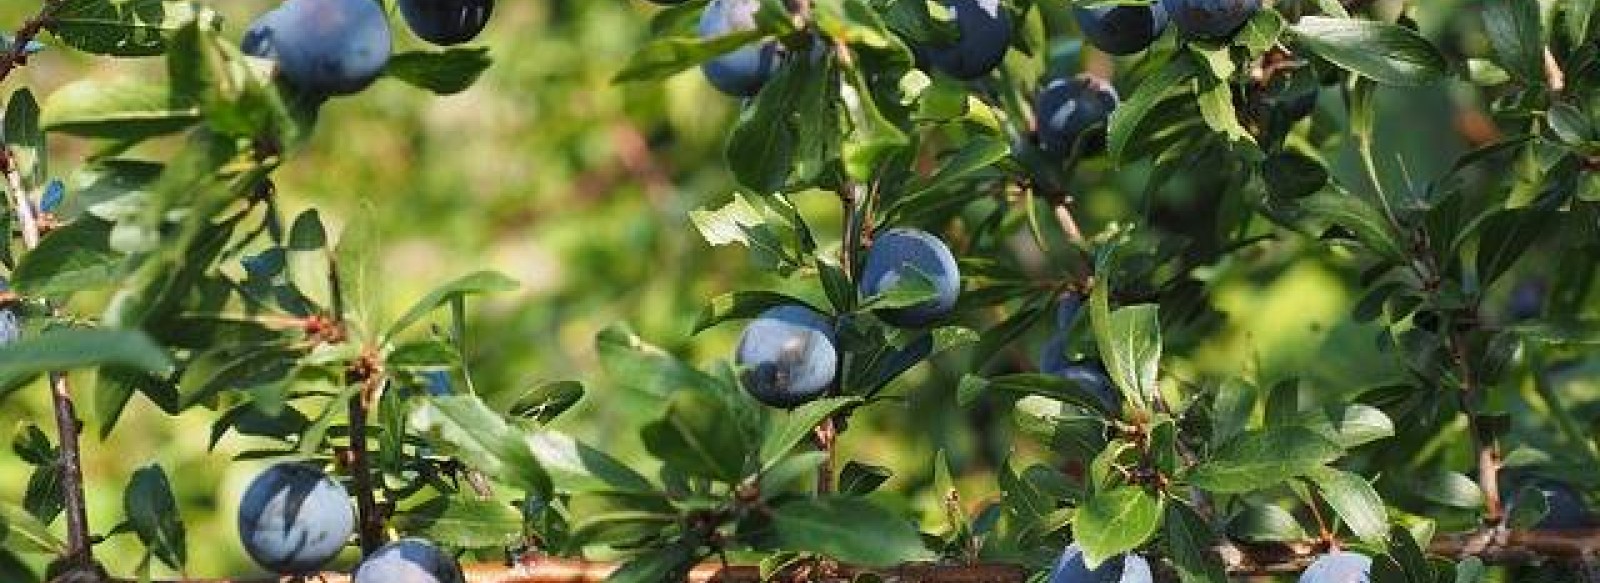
[{"x": 580, "y": 189}]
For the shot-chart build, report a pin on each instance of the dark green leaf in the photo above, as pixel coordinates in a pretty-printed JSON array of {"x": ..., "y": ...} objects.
[
  {"x": 1386, "y": 53},
  {"x": 25, "y": 140},
  {"x": 668, "y": 563},
  {"x": 741, "y": 305},
  {"x": 1360, "y": 217},
  {"x": 1264, "y": 458},
  {"x": 1189, "y": 542},
  {"x": 696, "y": 438},
  {"x": 1517, "y": 37},
  {"x": 850, "y": 529},
  {"x": 76, "y": 257},
  {"x": 546, "y": 401},
  {"x": 128, "y": 28},
  {"x": 153, "y": 512},
  {"x": 463, "y": 522},
  {"x": 444, "y": 73},
  {"x": 1125, "y": 120},
  {"x": 70, "y": 349},
  {"x": 1265, "y": 523}
]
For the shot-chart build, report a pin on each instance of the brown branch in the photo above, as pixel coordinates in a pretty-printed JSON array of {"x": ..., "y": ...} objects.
[
  {"x": 18, "y": 55},
  {"x": 1502, "y": 547},
  {"x": 79, "y": 553},
  {"x": 370, "y": 521}
]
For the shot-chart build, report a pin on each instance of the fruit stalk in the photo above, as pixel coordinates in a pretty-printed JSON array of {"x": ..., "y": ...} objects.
[{"x": 78, "y": 552}]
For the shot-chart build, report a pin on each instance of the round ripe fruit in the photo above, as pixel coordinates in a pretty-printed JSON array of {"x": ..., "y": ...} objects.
[
  {"x": 294, "y": 518},
  {"x": 903, "y": 253},
  {"x": 1128, "y": 568},
  {"x": 446, "y": 22},
  {"x": 1211, "y": 19},
  {"x": 1122, "y": 30},
  {"x": 1073, "y": 113},
  {"x": 1565, "y": 508},
  {"x": 985, "y": 34},
  {"x": 787, "y": 356},
  {"x": 409, "y": 560},
  {"x": 1527, "y": 299},
  {"x": 742, "y": 72},
  {"x": 323, "y": 47},
  {"x": 1339, "y": 567}
]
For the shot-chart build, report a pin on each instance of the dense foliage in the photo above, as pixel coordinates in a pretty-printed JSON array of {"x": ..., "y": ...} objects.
[{"x": 1070, "y": 273}]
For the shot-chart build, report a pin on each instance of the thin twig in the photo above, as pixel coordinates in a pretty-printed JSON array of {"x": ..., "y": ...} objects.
[
  {"x": 18, "y": 55},
  {"x": 1553, "y": 75},
  {"x": 79, "y": 553}
]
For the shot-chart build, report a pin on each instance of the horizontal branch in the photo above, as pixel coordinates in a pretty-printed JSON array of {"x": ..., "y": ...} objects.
[{"x": 1499, "y": 547}]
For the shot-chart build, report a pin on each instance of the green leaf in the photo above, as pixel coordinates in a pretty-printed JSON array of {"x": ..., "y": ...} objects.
[
  {"x": 1360, "y": 217},
  {"x": 545, "y": 401},
  {"x": 1580, "y": 18},
  {"x": 795, "y": 425},
  {"x": 1354, "y": 500},
  {"x": 1258, "y": 459},
  {"x": 444, "y": 73},
  {"x": 1065, "y": 428},
  {"x": 70, "y": 349},
  {"x": 124, "y": 28},
  {"x": 1125, "y": 120},
  {"x": 785, "y": 135},
  {"x": 1265, "y": 523},
  {"x": 620, "y": 516},
  {"x": 1349, "y": 425},
  {"x": 153, "y": 513},
  {"x": 1216, "y": 108},
  {"x": 1189, "y": 541},
  {"x": 1045, "y": 385},
  {"x": 122, "y": 109},
  {"x": 1130, "y": 346},
  {"x": 667, "y": 56},
  {"x": 740, "y": 305},
  {"x": 742, "y": 222},
  {"x": 663, "y": 564},
  {"x": 1386, "y": 53},
  {"x": 25, "y": 140},
  {"x": 21, "y": 532},
  {"x": 467, "y": 428},
  {"x": 425, "y": 354},
  {"x": 463, "y": 522},
  {"x": 76, "y": 257},
  {"x": 1116, "y": 521},
  {"x": 578, "y": 466},
  {"x": 696, "y": 438},
  {"x": 850, "y": 529},
  {"x": 634, "y": 364},
  {"x": 1517, "y": 36},
  {"x": 979, "y": 153},
  {"x": 482, "y": 282}
]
